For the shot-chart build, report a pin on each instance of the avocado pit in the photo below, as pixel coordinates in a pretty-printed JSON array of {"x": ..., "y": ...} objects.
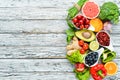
[{"x": 86, "y": 34}]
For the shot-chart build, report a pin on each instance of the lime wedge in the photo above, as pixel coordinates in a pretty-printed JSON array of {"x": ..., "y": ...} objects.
[{"x": 94, "y": 45}]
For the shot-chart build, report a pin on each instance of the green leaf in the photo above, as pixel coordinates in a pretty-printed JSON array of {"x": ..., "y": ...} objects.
[
  {"x": 70, "y": 33},
  {"x": 76, "y": 57}
]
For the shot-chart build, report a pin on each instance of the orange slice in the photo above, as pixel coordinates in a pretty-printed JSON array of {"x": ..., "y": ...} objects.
[
  {"x": 97, "y": 24},
  {"x": 111, "y": 68}
]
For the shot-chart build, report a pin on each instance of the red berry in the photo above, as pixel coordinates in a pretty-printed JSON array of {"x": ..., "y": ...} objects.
[
  {"x": 82, "y": 26},
  {"x": 79, "y": 17},
  {"x": 75, "y": 20},
  {"x": 87, "y": 21},
  {"x": 82, "y": 51},
  {"x": 86, "y": 26},
  {"x": 77, "y": 24},
  {"x": 80, "y": 22},
  {"x": 83, "y": 19}
]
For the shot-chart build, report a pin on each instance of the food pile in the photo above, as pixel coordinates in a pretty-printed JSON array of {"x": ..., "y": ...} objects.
[{"x": 89, "y": 47}]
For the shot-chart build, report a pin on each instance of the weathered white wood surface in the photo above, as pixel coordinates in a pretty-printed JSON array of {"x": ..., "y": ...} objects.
[{"x": 32, "y": 40}]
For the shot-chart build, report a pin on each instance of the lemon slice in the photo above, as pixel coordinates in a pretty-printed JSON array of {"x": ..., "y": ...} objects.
[{"x": 94, "y": 45}]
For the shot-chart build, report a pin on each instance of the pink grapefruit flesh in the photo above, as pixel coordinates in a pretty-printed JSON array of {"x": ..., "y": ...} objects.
[{"x": 90, "y": 10}]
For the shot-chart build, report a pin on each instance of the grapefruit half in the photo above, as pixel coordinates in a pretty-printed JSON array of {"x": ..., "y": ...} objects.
[{"x": 90, "y": 10}]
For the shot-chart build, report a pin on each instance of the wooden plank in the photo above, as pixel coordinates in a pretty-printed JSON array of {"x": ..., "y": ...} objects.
[
  {"x": 32, "y": 52},
  {"x": 38, "y": 76},
  {"x": 38, "y": 65},
  {"x": 32, "y": 13},
  {"x": 47, "y": 40},
  {"x": 33, "y": 26},
  {"x": 39, "y": 26},
  {"x": 45, "y": 76},
  {"x": 32, "y": 40},
  {"x": 45, "y": 3},
  {"x": 37, "y": 52},
  {"x": 35, "y": 65}
]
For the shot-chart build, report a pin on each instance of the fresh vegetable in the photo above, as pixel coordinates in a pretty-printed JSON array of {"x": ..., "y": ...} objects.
[
  {"x": 81, "y": 43},
  {"x": 103, "y": 38},
  {"x": 94, "y": 45},
  {"x": 85, "y": 46},
  {"x": 107, "y": 26},
  {"x": 98, "y": 72},
  {"x": 81, "y": 22},
  {"x": 75, "y": 9},
  {"x": 108, "y": 55},
  {"x": 109, "y": 11},
  {"x": 111, "y": 68},
  {"x": 74, "y": 44},
  {"x": 79, "y": 67},
  {"x": 90, "y": 10},
  {"x": 70, "y": 33},
  {"x": 84, "y": 75},
  {"x": 91, "y": 58},
  {"x": 82, "y": 51},
  {"x": 70, "y": 24},
  {"x": 97, "y": 24},
  {"x": 76, "y": 57}
]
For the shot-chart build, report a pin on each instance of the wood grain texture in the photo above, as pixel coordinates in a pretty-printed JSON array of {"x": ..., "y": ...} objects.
[
  {"x": 37, "y": 52},
  {"x": 46, "y": 3},
  {"x": 41, "y": 40},
  {"x": 33, "y": 40},
  {"x": 39, "y": 26},
  {"x": 45, "y": 76},
  {"x": 38, "y": 65}
]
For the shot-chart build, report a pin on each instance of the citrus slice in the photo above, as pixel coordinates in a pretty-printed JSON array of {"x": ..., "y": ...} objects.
[
  {"x": 90, "y": 10},
  {"x": 94, "y": 45},
  {"x": 97, "y": 24},
  {"x": 111, "y": 68}
]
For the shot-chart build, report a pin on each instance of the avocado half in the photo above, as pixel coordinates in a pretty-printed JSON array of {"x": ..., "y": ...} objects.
[{"x": 85, "y": 35}]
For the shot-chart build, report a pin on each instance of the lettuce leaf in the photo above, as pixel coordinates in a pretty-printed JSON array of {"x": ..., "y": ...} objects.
[{"x": 76, "y": 57}]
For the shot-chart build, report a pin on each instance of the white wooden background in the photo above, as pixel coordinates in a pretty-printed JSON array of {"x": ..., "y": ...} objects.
[{"x": 32, "y": 40}]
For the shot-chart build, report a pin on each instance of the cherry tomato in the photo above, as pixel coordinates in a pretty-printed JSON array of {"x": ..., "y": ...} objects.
[
  {"x": 83, "y": 19},
  {"x": 77, "y": 24},
  {"x": 75, "y": 20},
  {"x": 79, "y": 17},
  {"x": 80, "y": 22},
  {"x": 85, "y": 46},
  {"x": 79, "y": 67},
  {"x": 81, "y": 43},
  {"x": 82, "y": 51},
  {"x": 82, "y": 26},
  {"x": 87, "y": 21},
  {"x": 86, "y": 26}
]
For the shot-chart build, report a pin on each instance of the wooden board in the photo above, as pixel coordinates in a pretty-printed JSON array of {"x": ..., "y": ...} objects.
[{"x": 33, "y": 40}]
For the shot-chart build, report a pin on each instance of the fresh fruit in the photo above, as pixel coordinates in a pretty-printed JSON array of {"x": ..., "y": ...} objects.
[
  {"x": 91, "y": 58},
  {"x": 81, "y": 22},
  {"x": 79, "y": 67},
  {"x": 103, "y": 38},
  {"x": 85, "y": 35},
  {"x": 82, "y": 51},
  {"x": 81, "y": 43},
  {"x": 75, "y": 20},
  {"x": 90, "y": 10},
  {"x": 85, "y": 46},
  {"x": 97, "y": 24},
  {"x": 94, "y": 45},
  {"x": 111, "y": 68}
]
